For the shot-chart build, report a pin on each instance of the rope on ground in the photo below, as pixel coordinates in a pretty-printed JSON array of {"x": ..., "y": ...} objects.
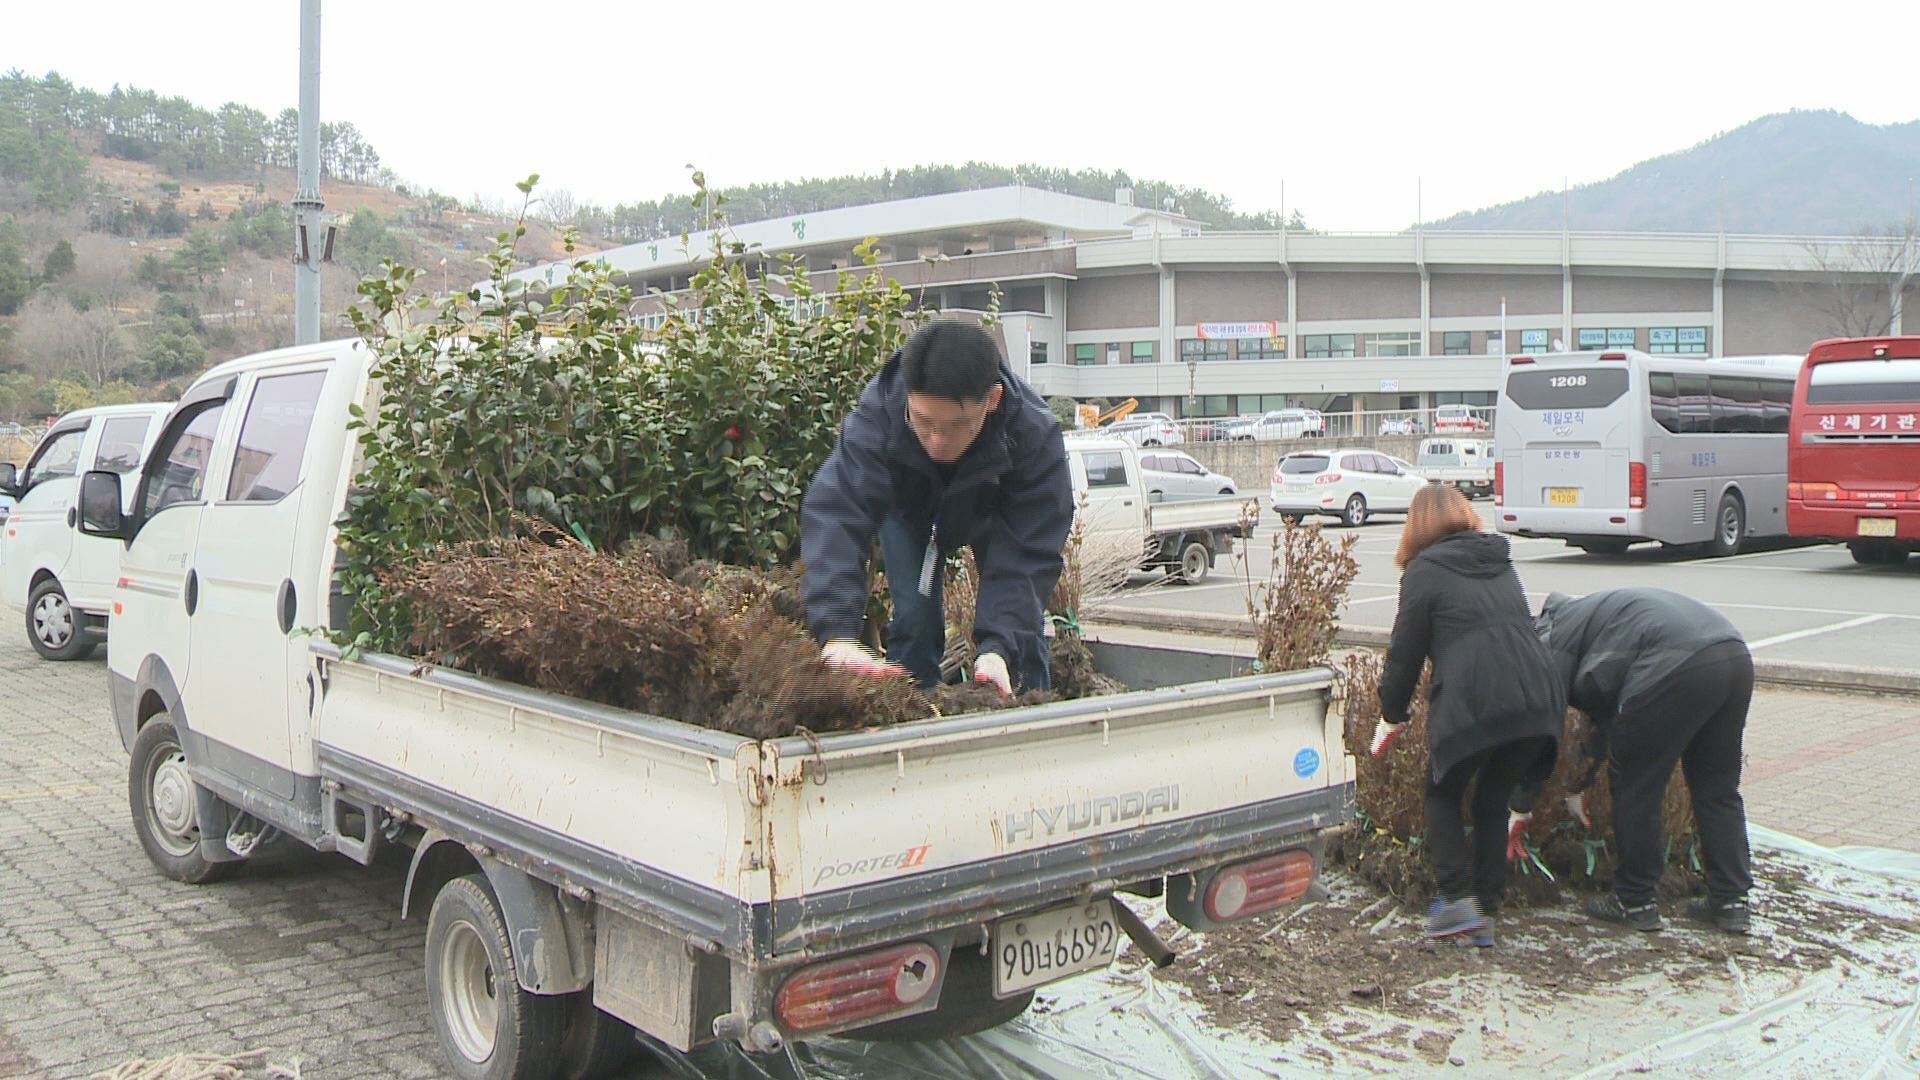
[{"x": 198, "y": 1067}]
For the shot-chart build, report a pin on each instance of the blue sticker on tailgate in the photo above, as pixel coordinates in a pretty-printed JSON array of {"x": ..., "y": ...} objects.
[{"x": 1306, "y": 762}]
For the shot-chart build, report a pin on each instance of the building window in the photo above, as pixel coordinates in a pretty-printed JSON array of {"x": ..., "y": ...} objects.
[
  {"x": 1693, "y": 339},
  {"x": 1113, "y": 352},
  {"x": 1617, "y": 337},
  {"x": 1327, "y": 346},
  {"x": 1195, "y": 350},
  {"x": 1142, "y": 352},
  {"x": 1535, "y": 341},
  {"x": 1397, "y": 344},
  {"x": 1255, "y": 404},
  {"x": 1213, "y": 405},
  {"x": 1037, "y": 353},
  {"x": 1475, "y": 398},
  {"x": 1263, "y": 348},
  {"x": 1083, "y": 355},
  {"x": 1456, "y": 343}
]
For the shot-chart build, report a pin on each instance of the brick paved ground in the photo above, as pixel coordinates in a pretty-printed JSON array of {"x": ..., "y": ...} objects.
[{"x": 102, "y": 960}]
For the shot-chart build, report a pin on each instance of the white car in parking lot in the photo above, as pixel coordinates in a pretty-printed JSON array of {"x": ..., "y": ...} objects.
[
  {"x": 1172, "y": 474},
  {"x": 1351, "y": 485},
  {"x": 1280, "y": 424},
  {"x": 1150, "y": 430}
]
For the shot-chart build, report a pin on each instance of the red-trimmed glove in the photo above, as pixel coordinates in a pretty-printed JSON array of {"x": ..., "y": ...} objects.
[
  {"x": 1517, "y": 835},
  {"x": 1577, "y": 808},
  {"x": 857, "y": 658},
  {"x": 991, "y": 670},
  {"x": 1383, "y": 736}
]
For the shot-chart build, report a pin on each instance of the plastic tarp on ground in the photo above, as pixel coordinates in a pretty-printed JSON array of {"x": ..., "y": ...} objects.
[{"x": 1855, "y": 1017}]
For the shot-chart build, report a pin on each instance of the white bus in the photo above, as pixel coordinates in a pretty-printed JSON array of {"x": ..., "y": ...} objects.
[{"x": 1605, "y": 449}]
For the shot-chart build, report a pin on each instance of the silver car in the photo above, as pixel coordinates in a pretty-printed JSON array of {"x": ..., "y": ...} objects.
[{"x": 1171, "y": 474}]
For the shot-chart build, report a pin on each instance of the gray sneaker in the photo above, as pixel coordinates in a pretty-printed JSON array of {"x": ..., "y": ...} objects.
[{"x": 1448, "y": 918}]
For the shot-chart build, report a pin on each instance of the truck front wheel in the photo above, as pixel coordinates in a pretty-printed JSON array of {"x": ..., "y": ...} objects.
[
  {"x": 162, "y": 796},
  {"x": 489, "y": 1027}
]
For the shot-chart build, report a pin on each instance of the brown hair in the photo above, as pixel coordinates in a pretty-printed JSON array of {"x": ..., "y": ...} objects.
[{"x": 1438, "y": 510}]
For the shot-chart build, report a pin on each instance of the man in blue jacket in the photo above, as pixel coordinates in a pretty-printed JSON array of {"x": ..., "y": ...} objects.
[{"x": 947, "y": 448}]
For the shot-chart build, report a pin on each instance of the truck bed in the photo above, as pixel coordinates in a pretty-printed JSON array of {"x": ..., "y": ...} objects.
[{"x": 802, "y": 846}]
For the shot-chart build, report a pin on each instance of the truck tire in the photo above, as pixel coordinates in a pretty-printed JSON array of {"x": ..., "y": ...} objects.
[
  {"x": 967, "y": 1005},
  {"x": 489, "y": 1027},
  {"x": 56, "y": 630},
  {"x": 1196, "y": 559},
  {"x": 594, "y": 1043},
  {"x": 1729, "y": 527},
  {"x": 161, "y": 794}
]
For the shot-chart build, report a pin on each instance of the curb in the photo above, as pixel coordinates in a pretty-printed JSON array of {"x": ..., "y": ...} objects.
[{"x": 1780, "y": 673}]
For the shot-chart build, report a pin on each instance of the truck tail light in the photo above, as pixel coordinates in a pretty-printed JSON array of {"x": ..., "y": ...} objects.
[
  {"x": 858, "y": 987},
  {"x": 1258, "y": 885},
  {"x": 1499, "y": 483},
  {"x": 1636, "y": 485}
]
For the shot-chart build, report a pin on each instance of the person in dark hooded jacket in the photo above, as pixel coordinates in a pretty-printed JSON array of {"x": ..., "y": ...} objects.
[
  {"x": 947, "y": 448},
  {"x": 1664, "y": 680},
  {"x": 1495, "y": 708}
]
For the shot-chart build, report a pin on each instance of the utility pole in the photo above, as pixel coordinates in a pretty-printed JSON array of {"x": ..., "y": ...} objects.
[{"x": 312, "y": 235}]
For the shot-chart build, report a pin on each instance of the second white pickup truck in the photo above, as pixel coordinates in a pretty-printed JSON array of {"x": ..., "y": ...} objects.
[
  {"x": 588, "y": 871},
  {"x": 1183, "y": 537}
]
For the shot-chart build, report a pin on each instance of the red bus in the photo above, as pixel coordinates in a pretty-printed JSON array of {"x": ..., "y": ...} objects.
[{"x": 1853, "y": 458}]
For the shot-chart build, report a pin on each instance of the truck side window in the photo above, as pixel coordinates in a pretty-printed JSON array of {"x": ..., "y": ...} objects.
[
  {"x": 120, "y": 440},
  {"x": 1107, "y": 468},
  {"x": 273, "y": 437},
  {"x": 58, "y": 457},
  {"x": 181, "y": 461}
]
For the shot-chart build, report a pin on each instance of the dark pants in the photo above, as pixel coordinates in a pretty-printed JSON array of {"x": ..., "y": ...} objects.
[
  {"x": 1695, "y": 718},
  {"x": 917, "y": 633},
  {"x": 1483, "y": 873}
]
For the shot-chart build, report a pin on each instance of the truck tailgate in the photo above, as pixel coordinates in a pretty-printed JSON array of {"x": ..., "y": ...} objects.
[
  {"x": 965, "y": 819},
  {"x": 1204, "y": 515}
]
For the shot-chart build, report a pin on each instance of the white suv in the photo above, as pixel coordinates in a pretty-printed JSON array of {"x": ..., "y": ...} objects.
[
  {"x": 1351, "y": 485},
  {"x": 1151, "y": 430},
  {"x": 1281, "y": 424}
]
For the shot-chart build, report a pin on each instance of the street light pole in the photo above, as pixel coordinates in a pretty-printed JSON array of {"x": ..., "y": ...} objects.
[{"x": 309, "y": 227}]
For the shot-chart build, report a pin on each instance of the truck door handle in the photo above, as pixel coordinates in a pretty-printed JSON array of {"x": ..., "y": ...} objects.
[
  {"x": 1126, "y": 502},
  {"x": 286, "y": 601},
  {"x": 73, "y": 515},
  {"x": 191, "y": 594}
]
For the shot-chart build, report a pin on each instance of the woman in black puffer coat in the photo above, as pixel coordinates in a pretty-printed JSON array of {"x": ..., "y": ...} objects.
[{"x": 1495, "y": 705}]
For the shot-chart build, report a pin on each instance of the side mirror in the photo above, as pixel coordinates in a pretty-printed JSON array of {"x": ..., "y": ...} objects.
[
  {"x": 100, "y": 513},
  {"x": 9, "y": 477}
]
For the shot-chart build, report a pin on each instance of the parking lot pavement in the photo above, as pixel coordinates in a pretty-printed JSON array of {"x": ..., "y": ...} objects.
[
  {"x": 102, "y": 960},
  {"x": 304, "y": 956}
]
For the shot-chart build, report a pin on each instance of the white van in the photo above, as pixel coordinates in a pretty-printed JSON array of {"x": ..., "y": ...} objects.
[{"x": 61, "y": 580}]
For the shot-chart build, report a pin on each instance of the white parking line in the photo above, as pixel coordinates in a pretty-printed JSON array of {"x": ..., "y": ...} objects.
[{"x": 1779, "y": 639}]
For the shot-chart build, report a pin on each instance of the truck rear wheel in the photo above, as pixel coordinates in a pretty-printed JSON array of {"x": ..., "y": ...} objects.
[
  {"x": 967, "y": 1005},
  {"x": 1196, "y": 559},
  {"x": 163, "y": 798},
  {"x": 489, "y": 1027},
  {"x": 595, "y": 1043}
]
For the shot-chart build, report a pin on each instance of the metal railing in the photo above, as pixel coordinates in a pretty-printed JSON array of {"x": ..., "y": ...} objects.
[{"x": 1443, "y": 420}]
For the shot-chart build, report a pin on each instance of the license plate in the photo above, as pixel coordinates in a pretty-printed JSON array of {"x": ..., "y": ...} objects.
[
  {"x": 1877, "y": 527},
  {"x": 1563, "y": 496},
  {"x": 1032, "y": 950}
]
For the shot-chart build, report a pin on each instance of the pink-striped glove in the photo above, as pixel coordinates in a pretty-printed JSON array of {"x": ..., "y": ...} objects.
[{"x": 1383, "y": 735}]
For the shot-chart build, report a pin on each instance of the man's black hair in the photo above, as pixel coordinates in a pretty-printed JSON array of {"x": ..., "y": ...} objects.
[{"x": 953, "y": 360}]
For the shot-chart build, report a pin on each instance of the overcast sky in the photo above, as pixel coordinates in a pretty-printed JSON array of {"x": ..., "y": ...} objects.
[{"x": 1369, "y": 114}]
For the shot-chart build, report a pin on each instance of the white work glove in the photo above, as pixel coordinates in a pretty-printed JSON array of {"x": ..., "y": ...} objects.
[
  {"x": 1517, "y": 835},
  {"x": 857, "y": 658},
  {"x": 1383, "y": 734},
  {"x": 1577, "y": 809},
  {"x": 992, "y": 670}
]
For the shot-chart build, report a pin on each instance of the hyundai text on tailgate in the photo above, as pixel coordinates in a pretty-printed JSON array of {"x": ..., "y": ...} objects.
[{"x": 587, "y": 870}]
